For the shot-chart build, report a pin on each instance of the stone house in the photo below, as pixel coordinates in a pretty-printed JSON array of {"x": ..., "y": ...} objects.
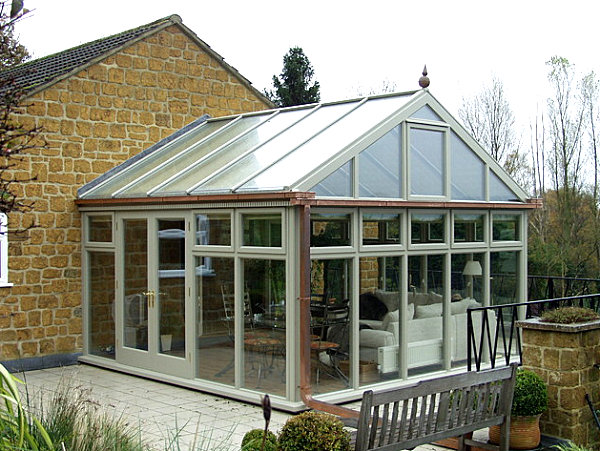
[{"x": 98, "y": 104}]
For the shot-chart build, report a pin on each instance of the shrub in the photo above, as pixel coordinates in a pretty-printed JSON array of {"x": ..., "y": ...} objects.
[
  {"x": 312, "y": 430},
  {"x": 569, "y": 315},
  {"x": 252, "y": 440},
  {"x": 530, "y": 396}
]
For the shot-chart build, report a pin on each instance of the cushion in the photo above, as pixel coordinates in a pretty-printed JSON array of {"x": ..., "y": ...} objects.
[
  {"x": 428, "y": 311},
  {"x": 391, "y": 299},
  {"x": 418, "y": 298},
  {"x": 394, "y": 317},
  {"x": 371, "y": 307},
  {"x": 435, "y": 298},
  {"x": 456, "y": 308}
]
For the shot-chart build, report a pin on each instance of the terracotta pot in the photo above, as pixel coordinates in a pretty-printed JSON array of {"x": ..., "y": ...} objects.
[{"x": 524, "y": 432}]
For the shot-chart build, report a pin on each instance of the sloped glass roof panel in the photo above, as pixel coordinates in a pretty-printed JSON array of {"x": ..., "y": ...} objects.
[
  {"x": 275, "y": 149},
  {"x": 337, "y": 184},
  {"x": 468, "y": 171},
  {"x": 141, "y": 187},
  {"x": 229, "y": 154},
  {"x": 149, "y": 163},
  {"x": 499, "y": 192},
  {"x": 325, "y": 145}
]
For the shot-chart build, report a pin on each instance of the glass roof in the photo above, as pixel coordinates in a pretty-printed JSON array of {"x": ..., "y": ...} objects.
[{"x": 275, "y": 150}]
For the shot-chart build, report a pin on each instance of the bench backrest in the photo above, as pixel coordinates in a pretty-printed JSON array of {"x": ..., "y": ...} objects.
[{"x": 435, "y": 409}]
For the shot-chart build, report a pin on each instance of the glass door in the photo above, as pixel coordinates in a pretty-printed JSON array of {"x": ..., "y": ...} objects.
[{"x": 153, "y": 299}]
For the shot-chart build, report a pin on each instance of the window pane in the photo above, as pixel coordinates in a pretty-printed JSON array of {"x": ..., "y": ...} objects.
[
  {"x": 330, "y": 229},
  {"x": 505, "y": 228},
  {"x": 264, "y": 335},
  {"x": 100, "y": 229},
  {"x": 213, "y": 229},
  {"x": 338, "y": 184},
  {"x": 468, "y": 172},
  {"x": 379, "y": 304},
  {"x": 425, "y": 330},
  {"x": 468, "y": 228},
  {"x": 215, "y": 310},
  {"x": 504, "y": 275},
  {"x": 331, "y": 282},
  {"x": 135, "y": 285},
  {"x": 499, "y": 191},
  {"x": 101, "y": 286},
  {"x": 262, "y": 230},
  {"x": 427, "y": 162},
  {"x": 426, "y": 113},
  {"x": 425, "y": 228},
  {"x": 380, "y": 167},
  {"x": 467, "y": 292},
  {"x": 381, "y": 229},
  {"x": 171, "y": 286}
]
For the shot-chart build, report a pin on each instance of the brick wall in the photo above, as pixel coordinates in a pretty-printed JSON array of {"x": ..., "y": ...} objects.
[{"x": 93, "y": 121}]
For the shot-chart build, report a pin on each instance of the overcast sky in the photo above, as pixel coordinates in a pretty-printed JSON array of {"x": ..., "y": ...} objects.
[{"x": 354, "y": 45}]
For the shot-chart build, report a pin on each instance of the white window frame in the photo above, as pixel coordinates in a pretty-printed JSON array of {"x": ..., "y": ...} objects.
[{"x": 4, "y": 251}]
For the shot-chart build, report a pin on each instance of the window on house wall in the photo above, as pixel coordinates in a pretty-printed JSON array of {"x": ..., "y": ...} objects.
[
  {"x": 3, "y": 249},
  {"x": 330, "y": 229}
]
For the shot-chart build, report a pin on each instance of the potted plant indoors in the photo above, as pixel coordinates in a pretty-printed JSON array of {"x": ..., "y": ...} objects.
[{"x": 530, "y": 400}]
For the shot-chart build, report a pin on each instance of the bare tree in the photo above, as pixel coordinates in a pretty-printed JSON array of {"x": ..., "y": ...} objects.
[{"x": 490, "y": 120}]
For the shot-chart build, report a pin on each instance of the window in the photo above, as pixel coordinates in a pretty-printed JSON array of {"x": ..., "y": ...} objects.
[
  {"x": 100, "y": 229},
  {"x": 262, "y": 230},
  {"x": 381, "y": 228},
  {"x": 4, "y": 250},
  {"x": 380, "y": 167},
  {"x": 330, "y": 229},
  {"x": 468, "y": 228},
  {"x": 505, "y": 228},
  {"x": 338, "y": 184},
  {"x": 427, "y": 165},
  {"x": 427, "y": 228},
  {"x": 213, "y": 229}
]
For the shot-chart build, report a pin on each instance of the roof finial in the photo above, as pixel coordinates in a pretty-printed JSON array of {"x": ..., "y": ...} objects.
[{"x": 424, "y": 80}]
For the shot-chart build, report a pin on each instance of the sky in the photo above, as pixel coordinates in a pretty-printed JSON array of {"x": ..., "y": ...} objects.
[{"x": 355, "y": 46}]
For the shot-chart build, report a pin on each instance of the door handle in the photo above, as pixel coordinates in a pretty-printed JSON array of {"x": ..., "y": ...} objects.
[{"x": 150, "y": 296}]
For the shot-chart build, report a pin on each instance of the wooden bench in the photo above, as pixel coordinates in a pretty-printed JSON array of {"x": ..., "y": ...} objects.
[{"x": 432, "y": 410}]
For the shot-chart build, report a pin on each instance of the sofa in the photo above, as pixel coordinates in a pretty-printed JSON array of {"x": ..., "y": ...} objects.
[{"x": 378, "y": 336}]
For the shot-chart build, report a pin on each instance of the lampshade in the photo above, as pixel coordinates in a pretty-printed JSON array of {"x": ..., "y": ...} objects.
[{"x": 472, "y": 268}]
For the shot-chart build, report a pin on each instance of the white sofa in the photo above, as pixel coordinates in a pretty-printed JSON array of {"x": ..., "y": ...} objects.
[{"x": 379, "y": 339}]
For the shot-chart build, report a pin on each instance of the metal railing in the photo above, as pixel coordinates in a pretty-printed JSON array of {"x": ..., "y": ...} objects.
[{"x": 498, "y": 340}]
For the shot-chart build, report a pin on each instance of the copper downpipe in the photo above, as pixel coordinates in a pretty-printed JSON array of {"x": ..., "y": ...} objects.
[{"x": 304, "y": 299}]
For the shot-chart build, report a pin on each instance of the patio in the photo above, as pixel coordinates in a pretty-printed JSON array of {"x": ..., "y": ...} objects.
[{"x": 161, "y": 409}]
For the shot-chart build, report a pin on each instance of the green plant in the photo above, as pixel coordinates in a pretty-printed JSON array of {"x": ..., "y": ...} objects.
[
  {"x": 253, "y": 439},
  {"x": 312, "y": 430},
  {"x": 571, "y": 447},
  {"x": 18, "y": 429},
  {"x": 569, "y": 315},
  {"x": 530, "y": 396}
]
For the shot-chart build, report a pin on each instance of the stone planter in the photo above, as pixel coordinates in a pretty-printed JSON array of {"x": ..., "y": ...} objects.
[{"x": 564, "y": 355}]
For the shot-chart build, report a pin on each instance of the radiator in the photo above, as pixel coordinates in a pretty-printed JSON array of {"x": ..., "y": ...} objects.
[{"x": 387, "y": 359}]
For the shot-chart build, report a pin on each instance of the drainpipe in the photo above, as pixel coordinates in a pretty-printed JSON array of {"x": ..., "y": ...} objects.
[{"x": 305, "y": 387}]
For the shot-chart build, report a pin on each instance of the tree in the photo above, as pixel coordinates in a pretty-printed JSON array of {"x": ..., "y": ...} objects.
[
  {"x": 15, "y": 138},
  {"x": 11, "y": 52},
  {"x": 293, "y": 86},
  {"x": 490, "y": 120}
]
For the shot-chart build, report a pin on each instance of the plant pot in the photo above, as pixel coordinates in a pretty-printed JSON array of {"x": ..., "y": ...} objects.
[
  {"x": 524, "y": 432},
  {"x": 165, "y": 342}
]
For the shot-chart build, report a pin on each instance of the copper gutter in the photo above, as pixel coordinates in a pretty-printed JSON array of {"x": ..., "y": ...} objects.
[{"x": 304, "y": 299}]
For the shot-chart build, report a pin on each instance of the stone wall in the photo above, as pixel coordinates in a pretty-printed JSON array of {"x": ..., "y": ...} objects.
[
  {"x": 93, "y": 121},
  {"x": 564, "y": 355}
]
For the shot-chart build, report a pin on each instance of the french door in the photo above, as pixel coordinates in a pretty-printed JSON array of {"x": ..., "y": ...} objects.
[{"x": 152, "y": 302}]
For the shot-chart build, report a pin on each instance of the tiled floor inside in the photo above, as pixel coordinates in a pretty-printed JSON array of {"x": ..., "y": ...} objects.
[{"x": 161, "y": 411}]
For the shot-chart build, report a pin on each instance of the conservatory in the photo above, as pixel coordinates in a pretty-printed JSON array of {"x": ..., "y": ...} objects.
[{"x": 327, "y": 248}]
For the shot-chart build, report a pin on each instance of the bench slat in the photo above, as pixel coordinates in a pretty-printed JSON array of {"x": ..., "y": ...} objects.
[{"x": 427, "y": 411}]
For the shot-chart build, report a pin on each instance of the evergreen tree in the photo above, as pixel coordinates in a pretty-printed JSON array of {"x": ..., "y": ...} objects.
[{"x": 293, "y": 86}]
